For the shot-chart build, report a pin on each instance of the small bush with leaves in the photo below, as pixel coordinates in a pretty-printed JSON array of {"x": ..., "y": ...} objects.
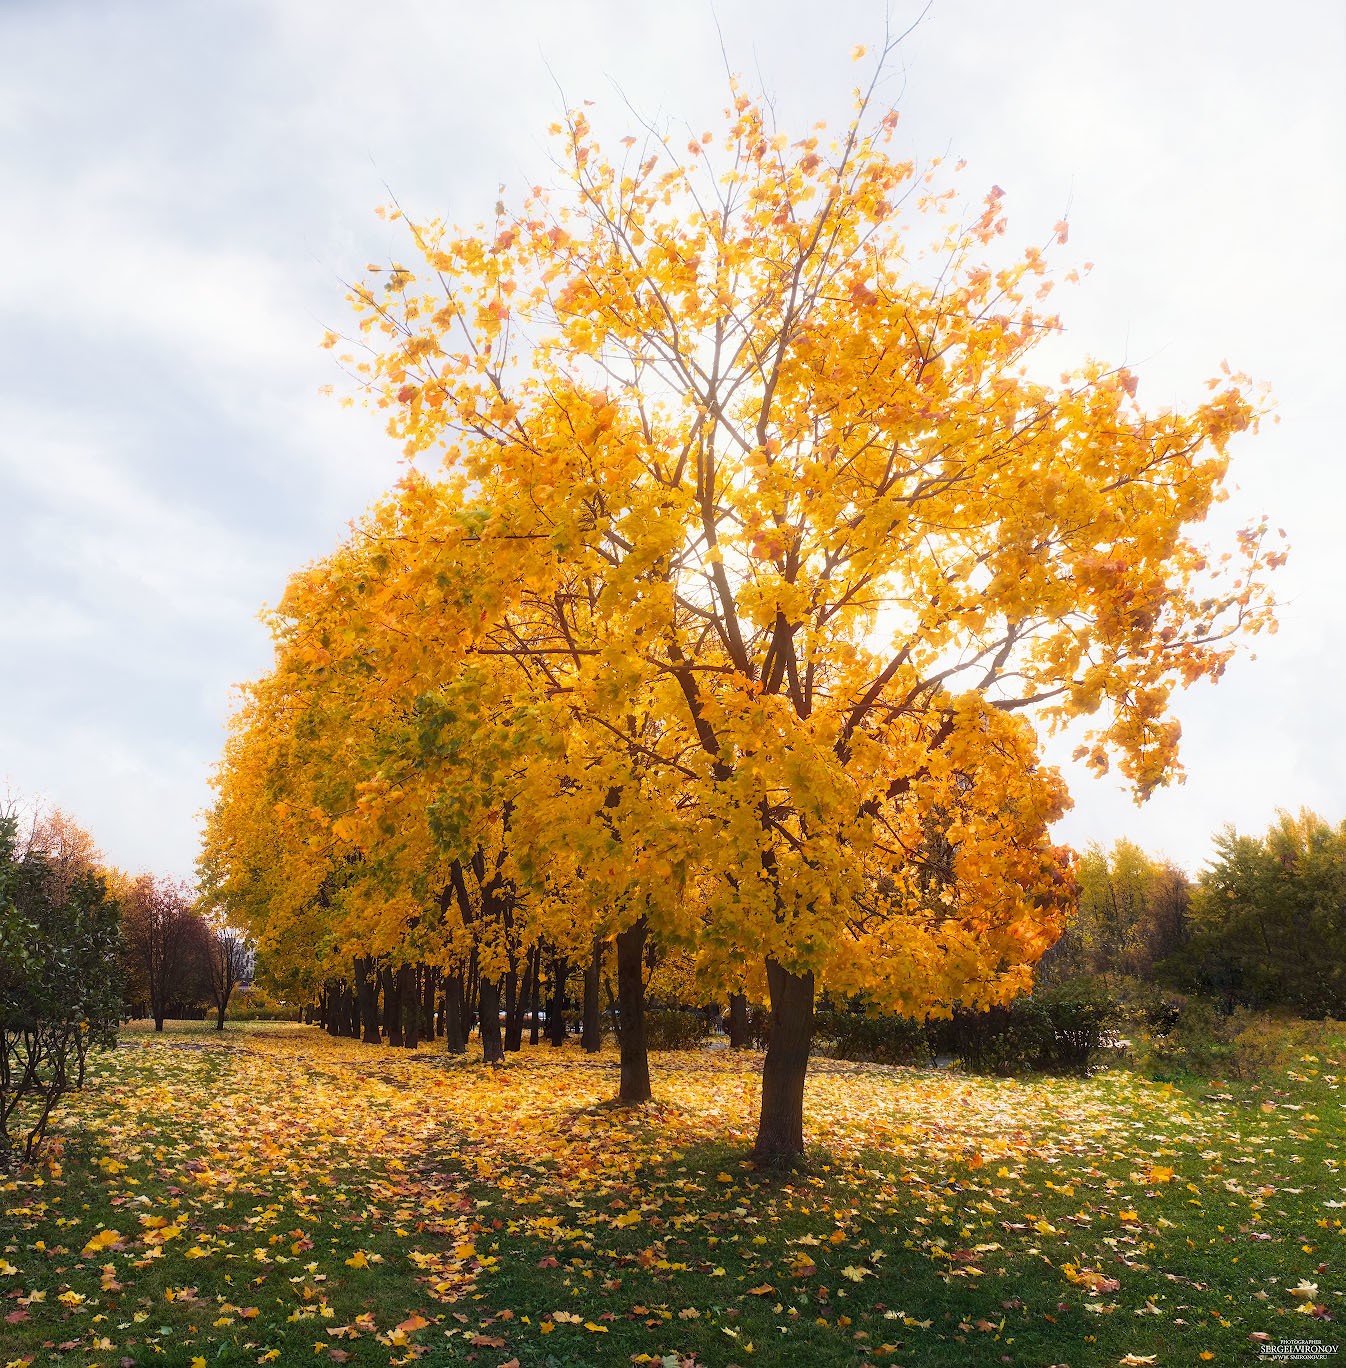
[
  {"x": 1080, "y": 1012},
  {"x": 674, "y": 1029},
  {"x": 871, "y": 1039}
]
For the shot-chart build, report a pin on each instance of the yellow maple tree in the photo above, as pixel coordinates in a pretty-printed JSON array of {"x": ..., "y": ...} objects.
[{"x": 750, "y": 475}]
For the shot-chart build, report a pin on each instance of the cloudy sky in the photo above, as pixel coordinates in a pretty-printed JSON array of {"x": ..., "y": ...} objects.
[{"x": 185, "y": 183}]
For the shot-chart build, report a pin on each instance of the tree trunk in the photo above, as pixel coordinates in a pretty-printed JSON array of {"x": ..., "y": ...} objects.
[
  {"x": 392, "y": 1007},
  {"x": 556, "y": 1022},
  {"x": 513, "y": 1010},
  {"x": 431, "y": 982},
  {"x": 592, "y": 1036},
  {"x": 738, "y": 1021},
  {"x": 455, "y": 1037},
  {"x": 492, "y": 1047},
  {"x": 470, "y": 993},
  {"x": 533, "y": 994},
  {"x": 366, "y": 992},
  {"x": 411, "y": 1006},
  {"x": 219, "y": 1020},
  {"x": 635, "y": 1084},
  {"x": 780, "y": 1127},
  {"x": 514, "y": 1001}
]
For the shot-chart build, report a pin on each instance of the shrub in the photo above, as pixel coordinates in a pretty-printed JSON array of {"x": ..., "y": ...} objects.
[
  {"x": 872, "y": 1039},
  {"x": 1005, "y": 1040},
  {"x": 759, "y": 1026},
  {"x": 1058, "y": 1029},
  {"x": 1196, "y": 1036},
  {"x": 257, "y": 1004},
  {"x": 60, "y": 991},
  {"x": 675, "y": 1029},
  {"x": 1080, "y": 1012}
]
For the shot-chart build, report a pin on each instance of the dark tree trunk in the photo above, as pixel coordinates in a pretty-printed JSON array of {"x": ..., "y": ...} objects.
[
  {"x": 411, "y": 1006},
  {"x": 471, "y": 991},
  {"x": 533, "y": 995},
  {"x": 780, "y": 1127},
  {"x": 591, "y": 1037},
  {"x": 219, "y": 1021},
  {"x": 366, "y": 992},
  {"x": 332, "y": 1004},
  {"x": 513, "y": 1008},
  {"x": 492, "y": 1047},
  {"x": 455, "y": 1036},
  {"x": 635, "y": 1084},
  {"x": 351, "y": 1011},
  {"x": 392, "y": 1007},
  {"x": 556, "y": 1021},
  {"x": 738, "y": 1021},
  {"x": 428, "y": 1001},
  {"x": 158, "y": 1021}
]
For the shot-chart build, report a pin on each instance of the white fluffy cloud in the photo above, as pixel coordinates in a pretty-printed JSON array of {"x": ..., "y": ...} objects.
[{"x": 185, "y": 185}]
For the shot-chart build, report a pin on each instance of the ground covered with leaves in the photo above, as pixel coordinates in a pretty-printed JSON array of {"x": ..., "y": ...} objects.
[{"x": 273, "y": 1195}]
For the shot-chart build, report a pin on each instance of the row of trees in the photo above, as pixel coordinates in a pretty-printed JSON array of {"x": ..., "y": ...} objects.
[
  {"x": 1263, "y": 926},
  {"x": 758, "y": 548}
]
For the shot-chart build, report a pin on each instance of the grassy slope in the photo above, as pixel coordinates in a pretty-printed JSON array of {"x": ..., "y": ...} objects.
[{"x": 278, "y": 1196}]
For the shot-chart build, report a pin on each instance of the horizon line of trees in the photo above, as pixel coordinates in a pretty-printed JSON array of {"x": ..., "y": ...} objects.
[{"x": 1262, "y": 926}]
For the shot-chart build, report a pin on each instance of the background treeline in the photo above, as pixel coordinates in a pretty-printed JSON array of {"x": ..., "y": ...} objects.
[
  {"x": 1214, "y": 975},
  {"x": 1263, "y": 927},
  {"x": 82, "y": 947}
]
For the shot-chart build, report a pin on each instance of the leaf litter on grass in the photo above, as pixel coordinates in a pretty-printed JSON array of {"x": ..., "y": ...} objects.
[{"x": 280, "y": 1188}]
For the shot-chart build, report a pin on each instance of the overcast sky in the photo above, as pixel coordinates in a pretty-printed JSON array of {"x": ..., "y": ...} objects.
[{"x": 184, "y": 184}]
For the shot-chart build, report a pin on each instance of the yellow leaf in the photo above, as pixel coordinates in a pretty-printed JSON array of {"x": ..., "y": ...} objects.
[{"x": 105, "y": 1239}]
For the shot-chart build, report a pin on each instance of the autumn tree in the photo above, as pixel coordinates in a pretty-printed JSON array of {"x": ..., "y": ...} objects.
[
  {"x": 749, "y": 432},
  {"x": 162, "y": 936},
  {"x": 369, "y": 790}
]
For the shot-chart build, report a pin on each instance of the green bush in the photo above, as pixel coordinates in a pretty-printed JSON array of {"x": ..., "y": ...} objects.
[
  {"x": 1002, "y": 1040},
  {"x": 1178, "y": 1035},
  {"x": 759, "y": 1026},
  {"x": 1061, "y": 1029},
  {"x": 675, "y": 1029},
  {"x": 1080, "y": 1013},
  {"x": 872, "y": 1039},
  {"x": 256, "y": 1004},
  {"x": 60, "y": 989}
]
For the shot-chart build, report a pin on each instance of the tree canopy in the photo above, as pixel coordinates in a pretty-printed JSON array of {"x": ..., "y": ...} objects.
[{"x": 755, "y": 550}]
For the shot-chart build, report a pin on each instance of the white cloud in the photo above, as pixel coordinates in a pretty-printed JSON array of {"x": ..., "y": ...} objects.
[{"x": 185, "y": 184}]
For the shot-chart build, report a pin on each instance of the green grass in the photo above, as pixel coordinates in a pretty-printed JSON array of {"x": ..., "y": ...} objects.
[{"x": 332, "y": 1192}]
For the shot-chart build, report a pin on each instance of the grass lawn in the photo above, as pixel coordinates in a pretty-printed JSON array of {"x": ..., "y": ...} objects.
[{"x": 273, "y": 1195}]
